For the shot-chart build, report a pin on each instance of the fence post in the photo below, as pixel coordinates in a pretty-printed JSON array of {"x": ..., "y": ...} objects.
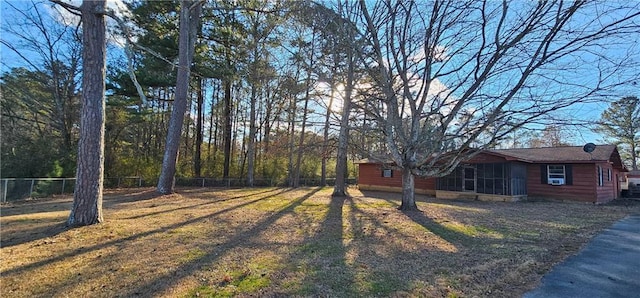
[
  {"x": 63, "y": 182},
  {"x": 31, "y": 189},
  {"x": 6, "y": 184},
  {"x": 139, "y": 181}
]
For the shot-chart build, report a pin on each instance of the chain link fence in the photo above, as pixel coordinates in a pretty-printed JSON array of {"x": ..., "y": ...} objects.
[{"x": 12, "y": 189}]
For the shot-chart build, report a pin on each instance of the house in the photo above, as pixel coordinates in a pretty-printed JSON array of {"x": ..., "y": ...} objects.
[
  {"x": 631, "y": 185},
  {"x": 566, "y": 173}
]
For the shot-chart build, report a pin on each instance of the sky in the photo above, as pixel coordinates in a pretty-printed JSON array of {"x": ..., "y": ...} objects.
[
  {"x": 578, "y": 136},
  {"x": 8, "y": 17}
]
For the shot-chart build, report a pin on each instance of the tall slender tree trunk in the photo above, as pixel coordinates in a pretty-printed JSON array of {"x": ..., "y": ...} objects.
[
  {"x": 325, "y": 136},
  {"x": 292, "y": 138},
  {"x": 213, "y": 129},
  {"x": 87, "y": 197},
  {"x": 188, "y": 25},
  {"x": 634, "y": 156},
  {"x": 266, "y": 137},
  {"x": 186, "y": 135},
  {"x": 227, "y": 128},
  {"x": 339, "y": 188},
  {"x": 251, "y": 151},
  {"x": 197, "y": 158},
  {"x": 296, "y": 178},
  {"x": 305, "y": 111}
]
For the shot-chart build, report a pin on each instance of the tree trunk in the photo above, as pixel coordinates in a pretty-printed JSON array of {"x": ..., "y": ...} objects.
[
  {"x": 188, "y": 23},
  {"x": 339, "y": 189},
  {"x": 266, "y": 136},
  {"x": 296, "y": 177},
  {"x": 634, "y": 156},
  {"x": 305, "y": 111},
  {"x": 292, "y": 134},
  {"x": 197, "y": 159},
  {"x": 408, "y": 191},
  {"x": 251, "y": 151},
  {"x": 87, "y": 197},
  {"x": 227, "y": 128},
  {"x": 325, "y": 136},
  {"x": 214, "y": 125}
]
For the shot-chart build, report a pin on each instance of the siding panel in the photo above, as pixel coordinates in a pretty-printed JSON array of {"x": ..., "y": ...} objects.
[
  {"x": 583, "y": 188},
  {"x": 371, "y": 174}
]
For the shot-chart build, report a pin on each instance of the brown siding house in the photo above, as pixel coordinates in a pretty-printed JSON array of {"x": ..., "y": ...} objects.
[
  {"x": 375, "y": 176},
  {"x": 565, "y": 173}
]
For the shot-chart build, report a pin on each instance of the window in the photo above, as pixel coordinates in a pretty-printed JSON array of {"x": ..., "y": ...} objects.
[
  {"x": 556, "y": 174},
  {"x": 451, "y": 182},
  {"x": 469, "y": 179},
  {"x": 387, "y": 173},
  {"x": 608, "y": 174},
  {"x": 600, "y": 176},
  {"x": 555, "y": 171},
  {"x": 492, "y": 178}
]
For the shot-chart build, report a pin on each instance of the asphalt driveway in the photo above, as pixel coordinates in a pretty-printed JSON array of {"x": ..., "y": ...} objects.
[{"x": 609, "y": 266}]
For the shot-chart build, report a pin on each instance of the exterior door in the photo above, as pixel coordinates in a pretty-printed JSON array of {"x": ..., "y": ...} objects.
[{"x": 469, "y": 179}]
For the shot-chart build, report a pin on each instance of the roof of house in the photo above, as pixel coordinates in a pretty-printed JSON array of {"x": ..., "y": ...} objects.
[
  {"x": 566, "y": 154},
  {"x": 370, "y": 160}
]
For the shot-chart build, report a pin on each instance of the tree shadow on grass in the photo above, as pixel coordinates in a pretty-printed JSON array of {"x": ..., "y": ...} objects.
[
  {"x": 378, "y": 280},
  {"x": 52, "y": 226},
  {"x": 31, "y": 227},
  {"x": 113, "y": 200},
  {"x": 56, "y": 203},
  {"x": 120, "y": 241},
  {"x": 322, "y": 258},
  {"x": 25, "y": 207},
  {"x": 49, "y": 228},
  {"x": 444, "y": 231},
  {"x": 338, "y": 260},
  {"x": 449, "y": 234},
  {"x": 167, "y": 281},
  {"x": 212, "y": 202}
]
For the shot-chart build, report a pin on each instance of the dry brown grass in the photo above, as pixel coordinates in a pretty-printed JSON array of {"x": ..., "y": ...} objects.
[{"x": 285, "y": 242}]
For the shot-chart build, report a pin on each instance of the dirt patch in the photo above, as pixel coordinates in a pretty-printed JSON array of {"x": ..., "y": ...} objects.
[{"x": 290, "y": 242}]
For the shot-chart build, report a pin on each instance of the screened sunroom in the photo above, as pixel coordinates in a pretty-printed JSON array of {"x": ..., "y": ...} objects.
[{"x": 494, "y": 181}]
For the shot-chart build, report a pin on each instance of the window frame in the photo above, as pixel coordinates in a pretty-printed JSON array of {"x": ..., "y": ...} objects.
[
  {"x": 556, "y": 174},
  {"x": 600, "y": 175}
]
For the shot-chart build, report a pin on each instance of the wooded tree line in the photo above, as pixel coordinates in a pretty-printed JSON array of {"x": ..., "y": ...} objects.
[{"x": 259, "y": 98}]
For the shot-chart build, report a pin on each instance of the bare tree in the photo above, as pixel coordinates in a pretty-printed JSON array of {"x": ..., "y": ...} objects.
[
  {"x": 189, "y": 19},
  {"x": 455, "y": 77},
  {"x": 550, "y": 136},
  {"x": 87, "y": 197}
]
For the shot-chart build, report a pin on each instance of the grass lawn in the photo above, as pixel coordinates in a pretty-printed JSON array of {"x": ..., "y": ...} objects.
[{"x": 290, "y": 242}]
